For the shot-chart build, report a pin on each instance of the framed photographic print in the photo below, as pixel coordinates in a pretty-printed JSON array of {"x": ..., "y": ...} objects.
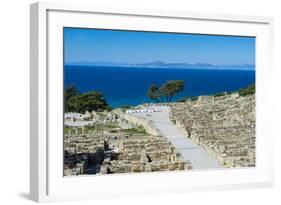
[{"x": 147, "y": 101}]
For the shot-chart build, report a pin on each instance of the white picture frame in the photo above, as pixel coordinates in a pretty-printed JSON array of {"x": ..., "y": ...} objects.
[{"x": 46, "y": 143}]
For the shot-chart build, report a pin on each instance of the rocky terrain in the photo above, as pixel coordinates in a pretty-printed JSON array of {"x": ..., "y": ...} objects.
[
  {"x": 223, "y": 125},
  {"x": 112, "y": 144}
]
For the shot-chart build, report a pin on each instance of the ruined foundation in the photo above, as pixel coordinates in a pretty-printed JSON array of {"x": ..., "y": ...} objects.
[
  {"x": 110, "y": 154},
  {"x": 224, "y": 126}
]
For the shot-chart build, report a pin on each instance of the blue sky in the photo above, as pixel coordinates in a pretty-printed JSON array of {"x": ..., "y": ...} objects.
[{"x": 94, "y": 45}]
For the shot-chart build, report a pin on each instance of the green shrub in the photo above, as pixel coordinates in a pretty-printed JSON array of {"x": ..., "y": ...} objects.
[
  {"x": 126, "y": 107},
  {"x": 135, "y": 130},
  {"x": 194, "y": 98},
  {"x": 251, "y": 89},
  {"x": 219, "y": 94},
  {"x": 184, "y": 99}
]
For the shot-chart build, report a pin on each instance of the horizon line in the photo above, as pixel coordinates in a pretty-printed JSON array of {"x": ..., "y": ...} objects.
[
  {"x": 206, "y": 66},
  {"x": 156, "y": 61}
]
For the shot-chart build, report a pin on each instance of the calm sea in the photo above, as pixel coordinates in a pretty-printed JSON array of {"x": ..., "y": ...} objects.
[{"x": 128, "y": 85}]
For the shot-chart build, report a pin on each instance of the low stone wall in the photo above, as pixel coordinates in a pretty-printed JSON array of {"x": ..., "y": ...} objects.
[
  {"x": 149, "y": 167},
  {"x": 224, "y": 126},
  {"x": 120, "y": 152},
  {"x": 110, "y": 154},
  {"x": 138, "y": 121}
]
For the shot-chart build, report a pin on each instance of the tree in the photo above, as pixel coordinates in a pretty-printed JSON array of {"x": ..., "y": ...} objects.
[
  {"x": 70, "y": 91},
  {"x": 93, "y": 100},
  {"x": 153, "y": 92},
  {"x": 171, "y": 88},
  {"x": 166, "y": 91},
  {"x": 89, "y": 101},
  {"x": 77, "y": 102}
]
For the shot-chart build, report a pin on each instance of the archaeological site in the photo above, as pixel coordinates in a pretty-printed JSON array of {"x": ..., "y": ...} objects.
[
  {"x": 132, "y": 140},
  {"x": 118, "y": 146},
  {"x": 223, "y": 125}
]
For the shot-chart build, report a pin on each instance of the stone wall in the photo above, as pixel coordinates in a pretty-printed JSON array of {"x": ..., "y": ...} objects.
[
  {"x": 224, "y": 126},
  {"x": 119, "y": 153},
  {"x": 137, "y": 121},
  {"x": 144, "y": 154}
]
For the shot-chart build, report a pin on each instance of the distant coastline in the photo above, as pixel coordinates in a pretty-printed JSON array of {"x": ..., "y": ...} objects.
[{"x": 160, "y": 64}]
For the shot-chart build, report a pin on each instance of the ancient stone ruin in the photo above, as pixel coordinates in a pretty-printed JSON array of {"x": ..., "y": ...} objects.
[
  {"x": 116, "y": 142},
  {"x": 224, "y": 126},
  {"x": 119, "y": 153}
]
